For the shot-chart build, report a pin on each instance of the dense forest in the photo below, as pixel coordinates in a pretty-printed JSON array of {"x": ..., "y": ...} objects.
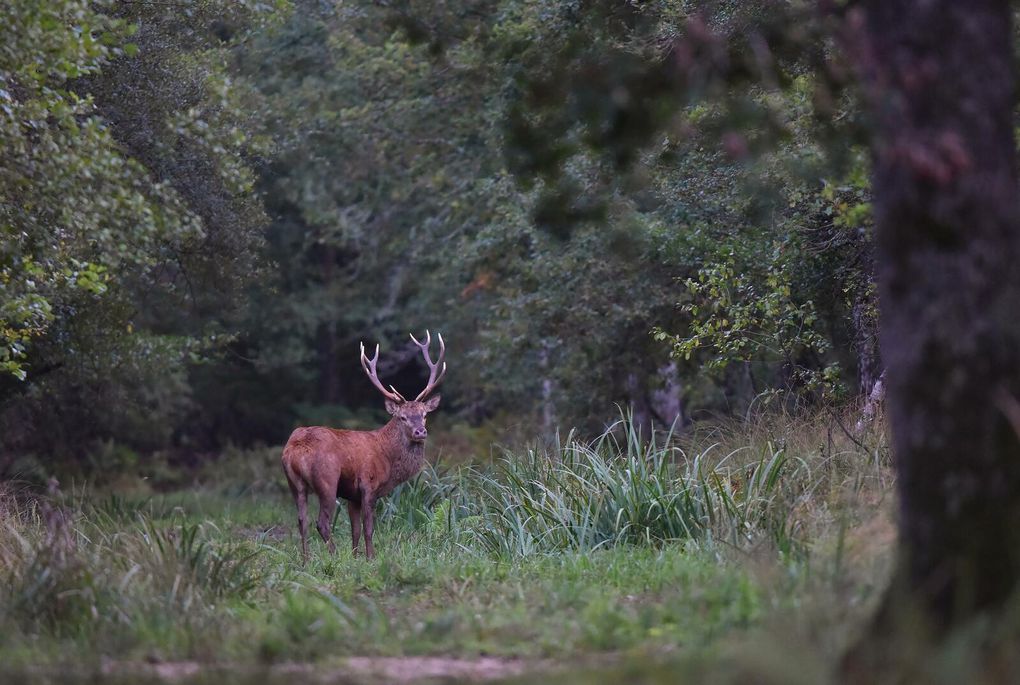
[
  {"x": 212, "y": 207},
  {"x": 726, "y": 291}
]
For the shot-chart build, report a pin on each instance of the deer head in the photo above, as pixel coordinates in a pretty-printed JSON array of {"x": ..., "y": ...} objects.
[{"x": 411, "y": 414}]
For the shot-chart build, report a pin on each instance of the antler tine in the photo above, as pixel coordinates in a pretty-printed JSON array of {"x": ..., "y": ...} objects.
[
  {"x": 428, "y": 339},
  {"x": 397, "y": 393},
  {"x": 369, "y": 366},
  {"x": 438, "y": 366}
]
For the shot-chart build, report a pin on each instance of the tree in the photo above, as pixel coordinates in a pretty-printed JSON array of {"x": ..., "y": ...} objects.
[
  {"x": 59, "y": 238},
  {"x": 714, "y": 121},
  {"x": 127, "y": 220},
  {"x": 940, "y": 84}
]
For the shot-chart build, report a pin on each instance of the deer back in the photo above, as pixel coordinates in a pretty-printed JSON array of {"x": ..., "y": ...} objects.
[{"x": 355, "y": 461}]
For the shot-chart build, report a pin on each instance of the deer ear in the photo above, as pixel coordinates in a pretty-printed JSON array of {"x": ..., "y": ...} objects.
[
  {"x": 392, "y": 407},
  {"x": 432, "y": 403}
]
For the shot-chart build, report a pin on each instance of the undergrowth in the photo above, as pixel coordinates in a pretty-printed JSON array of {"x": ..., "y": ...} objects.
[
  {"x": 617, "y": 489},
  {"x": 617, "y": 543}
]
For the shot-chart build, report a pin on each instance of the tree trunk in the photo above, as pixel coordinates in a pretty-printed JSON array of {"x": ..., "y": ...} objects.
[
  {"x": 641, "y": 413},
  {"x": 548, "y": 399},
  {"x": 869, "y": 363},
  {"x": 666, "y": 401},
  {"x": 738, "y": 387},
  {"x": 940, "y": 86},
  {"x": 872, "y": 403}
]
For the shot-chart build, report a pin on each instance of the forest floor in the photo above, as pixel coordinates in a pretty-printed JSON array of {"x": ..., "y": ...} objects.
[{"x": 206, "y": 584}]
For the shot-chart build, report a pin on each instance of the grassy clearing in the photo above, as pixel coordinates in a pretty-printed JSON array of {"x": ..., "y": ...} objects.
[{"x": 583, "y": 549}]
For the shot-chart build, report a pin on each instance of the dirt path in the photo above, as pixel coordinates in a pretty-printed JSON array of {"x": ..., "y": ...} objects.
[{"x": 354, "y": 670}]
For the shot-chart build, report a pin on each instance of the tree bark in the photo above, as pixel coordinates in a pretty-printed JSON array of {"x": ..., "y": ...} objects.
[
  {"x": 641, "y": 412},
  {"x": 872, "y": 403},
  {"x": 869, "y": 363},
  {"x": 666, "y": 400},
  {"x": 548, "y": 400},
  {"x": 940, "y": 89}
]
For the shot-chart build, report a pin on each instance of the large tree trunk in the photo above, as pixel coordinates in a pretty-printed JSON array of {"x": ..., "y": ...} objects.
[{"x": 940, "y": 86}]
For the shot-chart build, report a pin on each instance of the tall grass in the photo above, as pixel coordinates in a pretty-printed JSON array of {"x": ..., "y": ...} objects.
[
  {"x": 68, "y": 569},
  {"x": 619, "y": 488}
]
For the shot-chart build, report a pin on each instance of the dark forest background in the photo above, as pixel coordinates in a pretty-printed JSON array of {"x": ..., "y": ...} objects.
[{"x": 211, "y": 204}]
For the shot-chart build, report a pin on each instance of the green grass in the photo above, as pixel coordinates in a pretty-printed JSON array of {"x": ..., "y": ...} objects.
[
  {"x": 568, "y": 554},
  {"x": 173, "y": 588}
]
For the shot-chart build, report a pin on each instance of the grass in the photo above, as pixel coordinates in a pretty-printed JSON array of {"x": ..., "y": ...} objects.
[{"x": 581, "y": 551}]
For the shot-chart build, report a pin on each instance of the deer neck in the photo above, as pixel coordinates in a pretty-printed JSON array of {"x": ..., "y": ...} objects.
[{"x": 406, "y": 456}]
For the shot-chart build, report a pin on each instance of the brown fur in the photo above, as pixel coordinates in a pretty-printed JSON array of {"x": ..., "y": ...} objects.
[{"x": 359, "y": 466}]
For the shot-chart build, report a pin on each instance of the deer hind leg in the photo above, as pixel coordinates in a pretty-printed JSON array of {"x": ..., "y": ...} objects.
[
  {"x": 368, "y": 516},
  {"x": 327, "y": 505},
  {"x": 300, "y": 493},
  {"x": 354, "y": 513}
]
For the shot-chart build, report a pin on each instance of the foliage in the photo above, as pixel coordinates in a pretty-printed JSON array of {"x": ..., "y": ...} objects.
[
  {"x": 730, "y": 121},
  {"x": 534, "y": 181},
  {"x": 68, "y": 197},
  {"x": 394, "y": 204},
  {"x": 741, "y": 321},
  {"x": 799, "y": 295},
  {"x": 127, "y": 216}
]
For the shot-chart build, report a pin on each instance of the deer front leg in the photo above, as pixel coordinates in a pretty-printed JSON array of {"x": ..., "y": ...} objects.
[
  {"x": 354, "y": 513},
  {"x": 368, "y": 516}
]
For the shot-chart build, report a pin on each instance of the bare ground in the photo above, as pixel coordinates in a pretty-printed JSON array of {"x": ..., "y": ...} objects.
[{"x": 355, "y": 670}]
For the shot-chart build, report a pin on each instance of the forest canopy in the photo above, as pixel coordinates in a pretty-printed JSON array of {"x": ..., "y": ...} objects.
[{"x": 207, "y": 206}]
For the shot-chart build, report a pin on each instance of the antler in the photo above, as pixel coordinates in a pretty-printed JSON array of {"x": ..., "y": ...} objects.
[
  {"x": 434, "y": 380},
  {"x": 369, "y": 366}
]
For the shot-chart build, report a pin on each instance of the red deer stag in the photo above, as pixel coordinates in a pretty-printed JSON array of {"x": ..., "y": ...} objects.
[{"x": 361, "y": 466}]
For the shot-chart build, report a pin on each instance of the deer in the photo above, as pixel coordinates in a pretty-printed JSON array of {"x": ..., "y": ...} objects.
[{"x": 361, "y": 466}]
